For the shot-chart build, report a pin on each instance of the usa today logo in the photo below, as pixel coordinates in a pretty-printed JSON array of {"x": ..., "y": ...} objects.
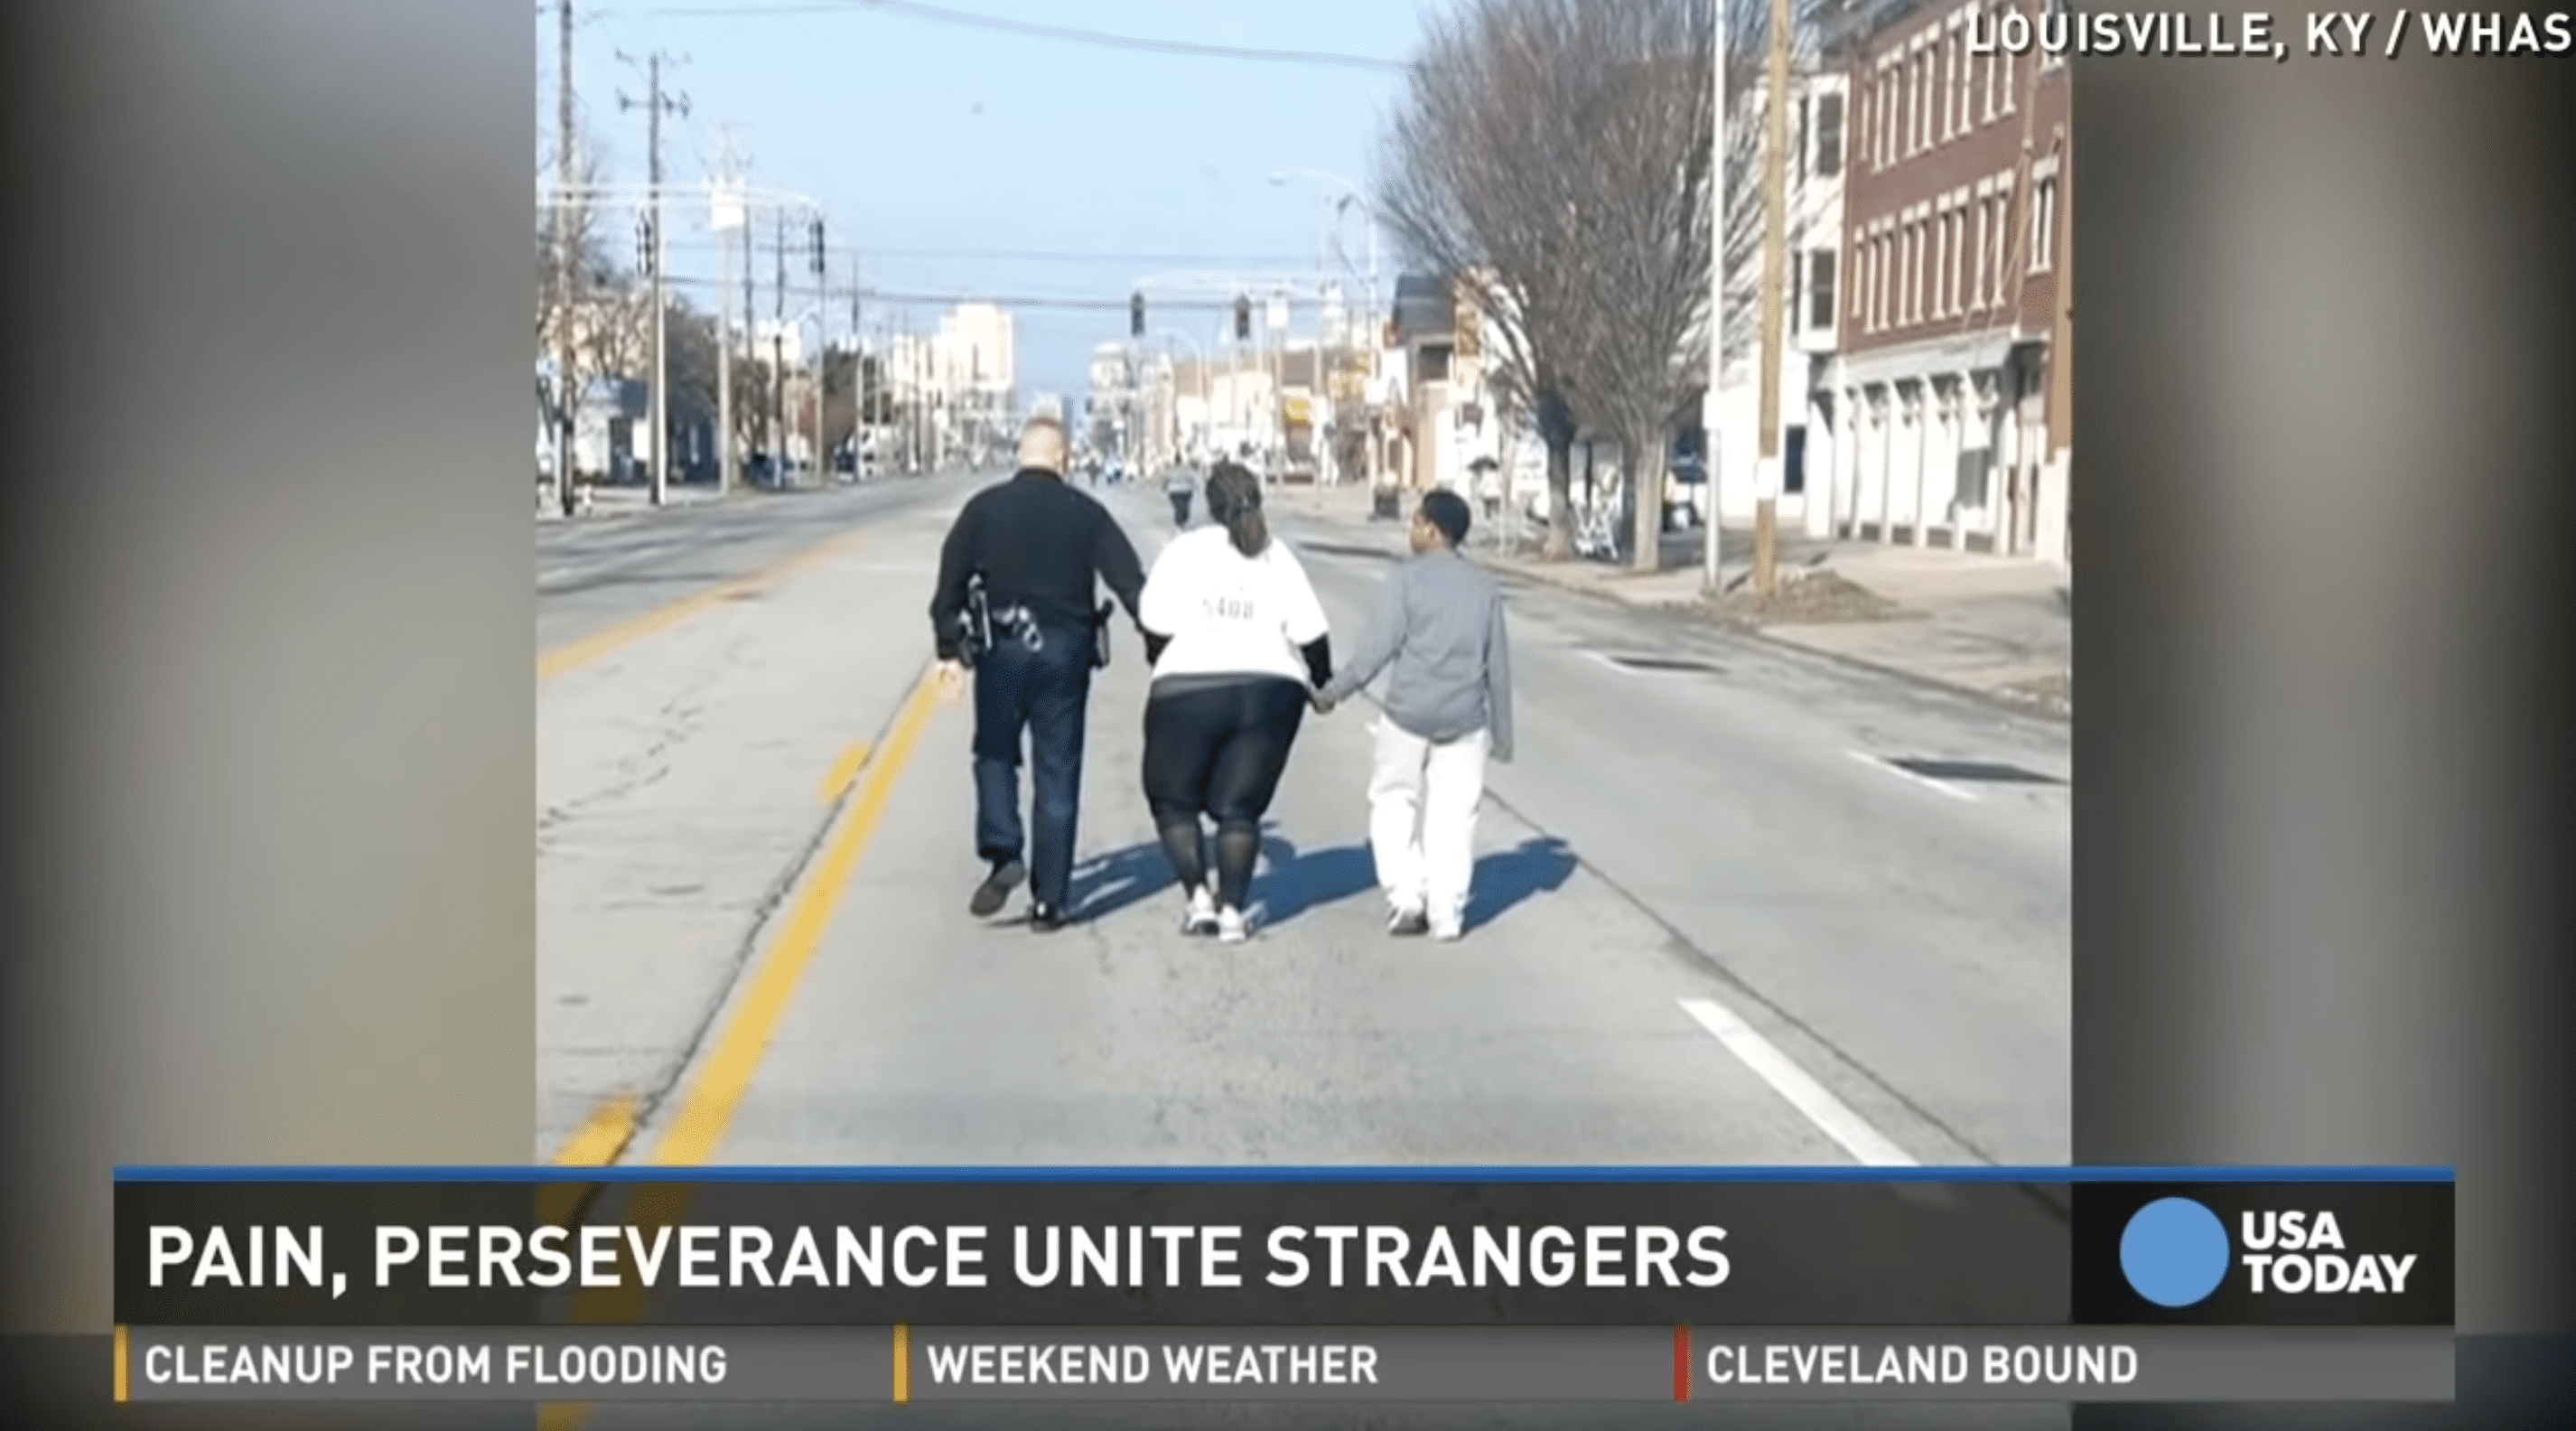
[{"x": 2176, "y": 1253}]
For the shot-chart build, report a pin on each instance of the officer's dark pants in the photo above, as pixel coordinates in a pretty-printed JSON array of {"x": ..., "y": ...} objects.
[{"x": 1044, "y": 694}]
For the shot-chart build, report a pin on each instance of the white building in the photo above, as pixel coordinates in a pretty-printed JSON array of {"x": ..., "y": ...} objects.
[
  {"x": 1808, "y": 297},
  {"x": 977, "y": 350}
]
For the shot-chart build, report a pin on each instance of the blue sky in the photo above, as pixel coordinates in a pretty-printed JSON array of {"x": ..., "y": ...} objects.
[{"x": 947, "y": 154}]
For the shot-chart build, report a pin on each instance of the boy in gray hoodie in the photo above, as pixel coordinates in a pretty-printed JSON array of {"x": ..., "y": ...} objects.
[{"x": 1440, "y": 626}]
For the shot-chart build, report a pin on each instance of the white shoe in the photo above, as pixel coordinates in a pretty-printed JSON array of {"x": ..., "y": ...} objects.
[
  {"x": 1232, "y": 926},
  {"x": 1200, "y": 916},
  {"x": 1449, "y": 929}
]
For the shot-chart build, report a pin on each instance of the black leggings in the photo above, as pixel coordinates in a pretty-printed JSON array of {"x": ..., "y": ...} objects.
[{"x": 1215, "y": 747}]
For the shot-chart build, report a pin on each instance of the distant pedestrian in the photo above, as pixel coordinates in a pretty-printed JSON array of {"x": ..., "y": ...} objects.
[
  {"x": 1239, "y": 646},
  {"x": 1180, "y": 486},
  {"x": 1448, "y": 709},
  {"x": 1016, "y": 597}
]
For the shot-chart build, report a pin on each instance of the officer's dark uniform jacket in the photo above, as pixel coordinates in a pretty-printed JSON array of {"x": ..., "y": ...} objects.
[{"x": 1040, "y": 546}]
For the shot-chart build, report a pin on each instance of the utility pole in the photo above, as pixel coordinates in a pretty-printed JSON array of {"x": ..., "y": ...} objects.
[
  {"x": 858, "y": 374},
  {"x": 822, "y": 349},
  {"x": 1711, "y": 406},
  {"x": 655, "y": 104},
  {"x": 730, "y": 218},
  {"x": 565, "y": 270},
  {"x": 1775, "y": 257},
  {"x": 778, "y": 354}
]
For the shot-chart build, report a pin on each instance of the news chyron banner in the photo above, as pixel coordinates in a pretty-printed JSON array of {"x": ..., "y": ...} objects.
[{"x": 1377, "y": 1286}]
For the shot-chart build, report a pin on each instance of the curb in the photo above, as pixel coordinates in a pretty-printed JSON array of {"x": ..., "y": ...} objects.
[{"x": 1997, "y": 699}]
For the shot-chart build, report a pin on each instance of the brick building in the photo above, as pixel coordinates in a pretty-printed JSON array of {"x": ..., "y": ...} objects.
[{"x": 1953, "y": 426}]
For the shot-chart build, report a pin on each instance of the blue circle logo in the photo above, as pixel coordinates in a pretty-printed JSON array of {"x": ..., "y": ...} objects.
[{"x": 2175, "y": 1252}]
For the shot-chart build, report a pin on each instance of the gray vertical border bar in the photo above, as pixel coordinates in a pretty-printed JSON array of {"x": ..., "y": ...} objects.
[
  {"x": 2322, "y": 366},
  {"x": 266, "y": 548}
]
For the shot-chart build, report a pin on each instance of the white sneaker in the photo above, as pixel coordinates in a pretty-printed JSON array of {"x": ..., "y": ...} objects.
[
  {"x": 1232, "y": 927},
  {"x": 1200, "y": 916},
  {"x": 1448, "y": 929}
]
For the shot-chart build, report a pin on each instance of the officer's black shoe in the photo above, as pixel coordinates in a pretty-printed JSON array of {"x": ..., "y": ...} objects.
[
  {"x": 996, "y": 889},
  {"x": 1045, "y": 919}
]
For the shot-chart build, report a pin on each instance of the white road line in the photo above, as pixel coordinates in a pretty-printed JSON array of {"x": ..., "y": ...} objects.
[
  {"x": 1901, "y": 773},
  {"x": 1833, "y": 1117}
]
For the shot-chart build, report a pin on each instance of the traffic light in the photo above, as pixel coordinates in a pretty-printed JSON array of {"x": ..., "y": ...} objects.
[
  {"x": 644, "y": 245},
  {"x": 1243, "y": 320},
  {"x": 1136, "y": 316},
  {"x": 818, "y": 245}
]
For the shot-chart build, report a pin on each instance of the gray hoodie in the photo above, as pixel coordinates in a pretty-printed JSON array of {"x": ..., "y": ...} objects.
[{"x": 1440, "y": 626}]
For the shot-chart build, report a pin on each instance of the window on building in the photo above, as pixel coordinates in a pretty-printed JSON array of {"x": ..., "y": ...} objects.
[
  {"x": 1873, "y": 277},
  {"x": 1881, "y": 276},
  {"x": 1905, "y": 107},
  {"x": 1878, "y": 120},
  {"x": 1986, "y": 69},
  {"x": 1915, "y": 274},
  {"x": 2043, "y": 225},
  {"x": 2003, "y": 243},
  {"x": 1956, "y": 274},
  {"x": 1940, "y": 260},
  {"x": 1804, "y": 168},
  {"x": 1923, "y": 241},
  {"x": 1797, "y": 276},
  {"x": 1950, "y": 57},
  {"x": 1829, "y": 135},
  {"x": 1922, "y": 106},
  {"x": 1978, "y": 275},
  {"x": 1820, "y": 289}
]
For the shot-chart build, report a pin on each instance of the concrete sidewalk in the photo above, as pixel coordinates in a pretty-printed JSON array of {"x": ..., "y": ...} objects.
[{"x": 1998, "y": 627}]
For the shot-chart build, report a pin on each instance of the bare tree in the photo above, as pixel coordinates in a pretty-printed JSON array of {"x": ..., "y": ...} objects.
[
  {"x": 1471, "y": 188},
  {"x": 1554, "y": 157},
  {"x": 572, "y": 262}
]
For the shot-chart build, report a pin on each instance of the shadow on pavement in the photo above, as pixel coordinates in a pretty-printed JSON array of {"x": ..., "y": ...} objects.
[
  {"x": 1290, "y": 881},
  {"x": 1538, "y": 865},
  {"x": 1294, "y": 881},
  {"x": 1104, "y": 885}
]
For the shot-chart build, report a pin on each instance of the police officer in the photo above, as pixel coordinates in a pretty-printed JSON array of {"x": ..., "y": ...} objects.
[{"x": 1017, "y": 596}]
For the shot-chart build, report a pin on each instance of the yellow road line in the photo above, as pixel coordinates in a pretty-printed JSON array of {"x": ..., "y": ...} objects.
[
  {"x": 581, "y": 652},
  {"x": 902, "y": 1362},
  {"x": 845, "y": 771},
  {"x": 698, "y": 1125},
  {"x": 595, "y": 1144},
  {"x": 598, "y": 1142},
  {"x": 726, "y": 1075},
  {"x": 124, "y": 1365}
]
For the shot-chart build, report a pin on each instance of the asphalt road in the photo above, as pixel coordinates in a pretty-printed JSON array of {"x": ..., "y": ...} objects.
[{"x": 1713, "y": 922}]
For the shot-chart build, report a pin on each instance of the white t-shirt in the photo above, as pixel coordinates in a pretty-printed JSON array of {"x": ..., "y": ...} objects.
[{"x": 1229, "y": 614}]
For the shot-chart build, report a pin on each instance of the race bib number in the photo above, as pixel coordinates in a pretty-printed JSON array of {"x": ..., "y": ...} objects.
[{"x": 1234, "y": 607}]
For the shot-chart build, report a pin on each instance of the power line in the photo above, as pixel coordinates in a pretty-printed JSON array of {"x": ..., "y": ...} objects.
[
  {"x": 950, "y": 300},
  {"x": 941, "y": 14},
  {"x": 1045, "y": 256}
]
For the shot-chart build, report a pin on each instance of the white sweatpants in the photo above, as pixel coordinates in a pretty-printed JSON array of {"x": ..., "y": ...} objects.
[{"x": 1423, "y": 800}]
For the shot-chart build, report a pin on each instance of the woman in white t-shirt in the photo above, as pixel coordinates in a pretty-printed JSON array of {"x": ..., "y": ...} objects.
[{"x": 1239, "y": 645}]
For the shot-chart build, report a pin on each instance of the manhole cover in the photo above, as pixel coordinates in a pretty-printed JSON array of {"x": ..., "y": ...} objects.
[
  {"x": 1672, "y": 665},
  {"x": 1973, "y": 772}
]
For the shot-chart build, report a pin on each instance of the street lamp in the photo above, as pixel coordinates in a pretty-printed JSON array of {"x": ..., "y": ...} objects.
[{"x": 1357, "y": 197}]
